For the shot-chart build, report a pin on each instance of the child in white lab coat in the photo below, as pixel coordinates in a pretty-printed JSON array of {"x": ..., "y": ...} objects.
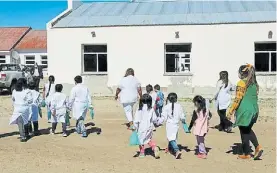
[
  {"x": 144, "y": 118},
  {"x": 34, "y": 108},
  {"x": 172, "y": 114},
  {"x": 21, "y": 102},
  {"x": 153, "y": 94},
  {"x": 80, "y": 102},
  {"x": 48, "y": 91},
  {"x": 59, "y": 102}
]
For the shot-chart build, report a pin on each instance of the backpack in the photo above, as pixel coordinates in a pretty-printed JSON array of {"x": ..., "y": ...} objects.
[{"x": 160, "y": 102}]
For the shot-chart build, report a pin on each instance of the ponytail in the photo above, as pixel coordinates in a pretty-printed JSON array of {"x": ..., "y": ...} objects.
[
  {"x": 140, "y": 104},
  {"x": 49, "y": 89},
  {"x": 172, "y": 108}
]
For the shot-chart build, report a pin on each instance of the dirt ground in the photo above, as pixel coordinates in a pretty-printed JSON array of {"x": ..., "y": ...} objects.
[{"x": 109, "y": 152}]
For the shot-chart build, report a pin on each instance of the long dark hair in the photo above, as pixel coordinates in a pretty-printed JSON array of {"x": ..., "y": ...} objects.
[
  {"x": 146, "y": 99},
  {"x": 51, "y": 80},
  {"x": 23, "y": 81},
  {"x": 248, "y": 72},
  {"x": 200, "y": 103},
  {"x": 172, "y": 98},
  {"x": 19, "y": 85},
  {"x": 223, "y": 75}
]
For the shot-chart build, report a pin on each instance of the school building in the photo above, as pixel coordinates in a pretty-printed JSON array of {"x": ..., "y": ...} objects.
[{"x": 181, "y": 45}]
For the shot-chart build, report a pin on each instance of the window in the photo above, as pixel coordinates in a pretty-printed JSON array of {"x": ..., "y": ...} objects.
[
  {"x": 30, "y": 60},
  {"x": 177, "y": 58},
  {"x": 44, "y": 62},
  {"x": 2, "y": 59},
  {"x": 95, "y": 59},
  {"x": 265, "y": 57}
]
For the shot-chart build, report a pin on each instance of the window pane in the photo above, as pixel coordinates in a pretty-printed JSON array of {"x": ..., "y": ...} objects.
[
  {"x": 2, "y": 61},
  {"x": 95, "y": 48},
  {"x": 30, "y": 62},
  {"x": 262, "y": 62},
  {"x": 102, "y": 63},
  {"x": 30, "y": 58},
  {"x": 265, "y": 46},
  {"x": 44, "y": 57},
  {"x": 178, "y": 48},
  {"x": 170, "y": 63},
  {"x": 2, "y": 57},
  {"x": 90, "y": 63},
  {"x": 43, "y": 62},
  {"x": 273, "y": 61}
]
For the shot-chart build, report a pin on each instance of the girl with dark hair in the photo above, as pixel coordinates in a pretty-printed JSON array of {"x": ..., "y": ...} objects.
[
  {"x": 200, "y": 122},
  {"x": 143, "y": 122},
  {"x": 172, "y": 114},
  {"x": 21, "y": 103},
  {"x": 129, "y": 88},
  {"x": 153, "y": 94},
  {"x": 246, "y": 110},
  {"x": 223, "y": 101},
  {"x": 48, "y": 91}
]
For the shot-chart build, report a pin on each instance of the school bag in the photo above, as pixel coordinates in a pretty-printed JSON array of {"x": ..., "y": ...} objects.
[
  {"x": 160, "y": 101},
  {"x": 134, "y": 139}
]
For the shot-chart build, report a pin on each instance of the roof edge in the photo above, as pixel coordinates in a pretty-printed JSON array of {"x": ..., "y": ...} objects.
[{"x": 22, "y": 36}]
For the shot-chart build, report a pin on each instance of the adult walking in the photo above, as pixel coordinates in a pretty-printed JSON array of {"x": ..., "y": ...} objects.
[
  {"x": 129, "y": 89},
  {"x": 37, "y": 75},
  {"x": 223, "y": 98},
  {"x": 246, "y": 110}
]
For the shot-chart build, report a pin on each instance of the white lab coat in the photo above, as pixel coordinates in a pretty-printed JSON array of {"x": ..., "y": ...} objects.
[
  {"x": 143, "y": 122},
  {"x": 223, "y": 95},
  {"x": 21, "y": 104},
  {"x": 79, "y": 101},
  {"x": 172, "y": 121},
  {"x": 34, "y": 111},
  {"x": 154, "y": 96},
  {"x": 59, "y": 104},
  {"x": 51, "y": 92}
]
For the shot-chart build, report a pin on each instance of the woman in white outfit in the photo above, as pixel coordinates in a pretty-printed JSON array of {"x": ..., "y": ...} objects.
[
  {"x": 48, "y": 91},
  {"x": 80, "y": 102},
  {"x": 223, "y": 98},
  {"x": 21, "y": 103},
  {"x": 129, "y": 89}
]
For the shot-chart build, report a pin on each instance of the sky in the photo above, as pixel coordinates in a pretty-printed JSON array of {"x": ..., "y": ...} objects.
[{"x": 30, "y": 13}]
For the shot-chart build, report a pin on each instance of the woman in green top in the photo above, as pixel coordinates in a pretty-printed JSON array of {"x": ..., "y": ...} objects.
[{"x": 246, "y": 110}]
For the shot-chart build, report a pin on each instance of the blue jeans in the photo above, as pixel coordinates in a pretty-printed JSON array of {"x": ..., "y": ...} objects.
[
  {"x": 159, "y": 111},
  {"x": 173, "y": 145},
  {"x": 80, "y": 126}
]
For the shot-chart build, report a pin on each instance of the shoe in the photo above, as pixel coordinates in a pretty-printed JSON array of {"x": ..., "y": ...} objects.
[
  {"x": 52, "y": 133},
  {"x": 244, "y": 157},
  {"x": 78, "y": 130},
  {"x": 202, "y": 156},
  {"x": 178, "y": 155},
  {"x": 23, "y": 139},
  {"x": 84, "y": 134},
  {"x": 141, "y": 155},
  {"x": 154, "y": 129},
  {"x": 64, "y": 135},
  {"x": 37, "y": 133},
  {"x": 258, "y": 152},
  {"x": 228, "y": 130},
  {"x": 220, "y": 128},
  {"x": 157, "y": 152}
]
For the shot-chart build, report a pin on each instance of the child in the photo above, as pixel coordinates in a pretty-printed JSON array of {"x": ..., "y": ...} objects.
[
  {"x": 200, "y": 123},
  {"x": 144, "y": 119},
  {"x": 160, "y": 100},
  {"x": 21, "y": 101},
  {"x": 172, "y": 114},
  {"x": 246, "y": 110},
  {"x": 223, "y": 101},
  {"x": 59, "y": 102},
  {"x": 80, "y": 102},
  {"x": 48, "y": 90},
  {"x": 153, "y": 94},
  {"x": 34, "y": 108}
]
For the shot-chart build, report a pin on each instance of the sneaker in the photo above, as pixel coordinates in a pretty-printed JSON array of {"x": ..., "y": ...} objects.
[
  {"x": 202, "y": 156},
  {"x": 78, "y": 130},
  {"x": 37, "y": 133},
  {"x": 157, "y": 152},
  {"x": 52, "y": 133},
  {"x": 228, "y": 130},
  {"x": 64, "y": 135},
  {"x": 178, "y": 155},
  {"x": 258, "y": 152},
  {"x": 84, "y": 134},
  {"x": 154, "y": 128},
  {"x": 23, "y": 139},
  {"x": 141, "y": 155},
  {"x": 244, "y": 157}
]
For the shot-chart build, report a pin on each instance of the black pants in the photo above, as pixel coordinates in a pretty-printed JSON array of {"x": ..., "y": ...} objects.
[
  {"x": 224, "y": 122},
  {"x": 37, "y": 80},
  {"x": 54, "y": 126},
  {"x": 247, "y": 135}
]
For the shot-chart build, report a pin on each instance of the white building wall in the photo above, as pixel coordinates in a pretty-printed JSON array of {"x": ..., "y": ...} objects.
[{"x": 214, "y": 48}]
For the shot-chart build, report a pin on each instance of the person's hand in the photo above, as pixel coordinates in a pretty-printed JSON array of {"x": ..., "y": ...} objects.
[
  {"x": 229, "y": 115},
  {"x": 116, "y": 97}
]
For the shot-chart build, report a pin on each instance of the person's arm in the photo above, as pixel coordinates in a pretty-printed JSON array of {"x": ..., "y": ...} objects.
[
  {"x": 193, "y": 119},
  {"x": 118, "y": 90},
  {"x": 43, "y": 93},
  {"x": 89, "y": 99},
  {"x": 210, "y": 115},
  {"x": 218, "y": 87},
  {"x": 240, "y": 91},
  {"x": 140, "y": 92},
  {"x": 137, "y": 119},
  {"x": 71, "y": 98},
  {"x": 164, "y": 116},
  {"x": 182, "y": 116}
]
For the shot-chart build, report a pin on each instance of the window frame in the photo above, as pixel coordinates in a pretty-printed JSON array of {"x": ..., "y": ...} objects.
[
  {"x": 266, "y": 73},
  {"x": 93, "y": 53},
  {"x": 4, "y": 58},
  {"x": 43, "y": 60},
  {"x": 25, "y": 56},
  {"x": 189, "y": 73}
]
